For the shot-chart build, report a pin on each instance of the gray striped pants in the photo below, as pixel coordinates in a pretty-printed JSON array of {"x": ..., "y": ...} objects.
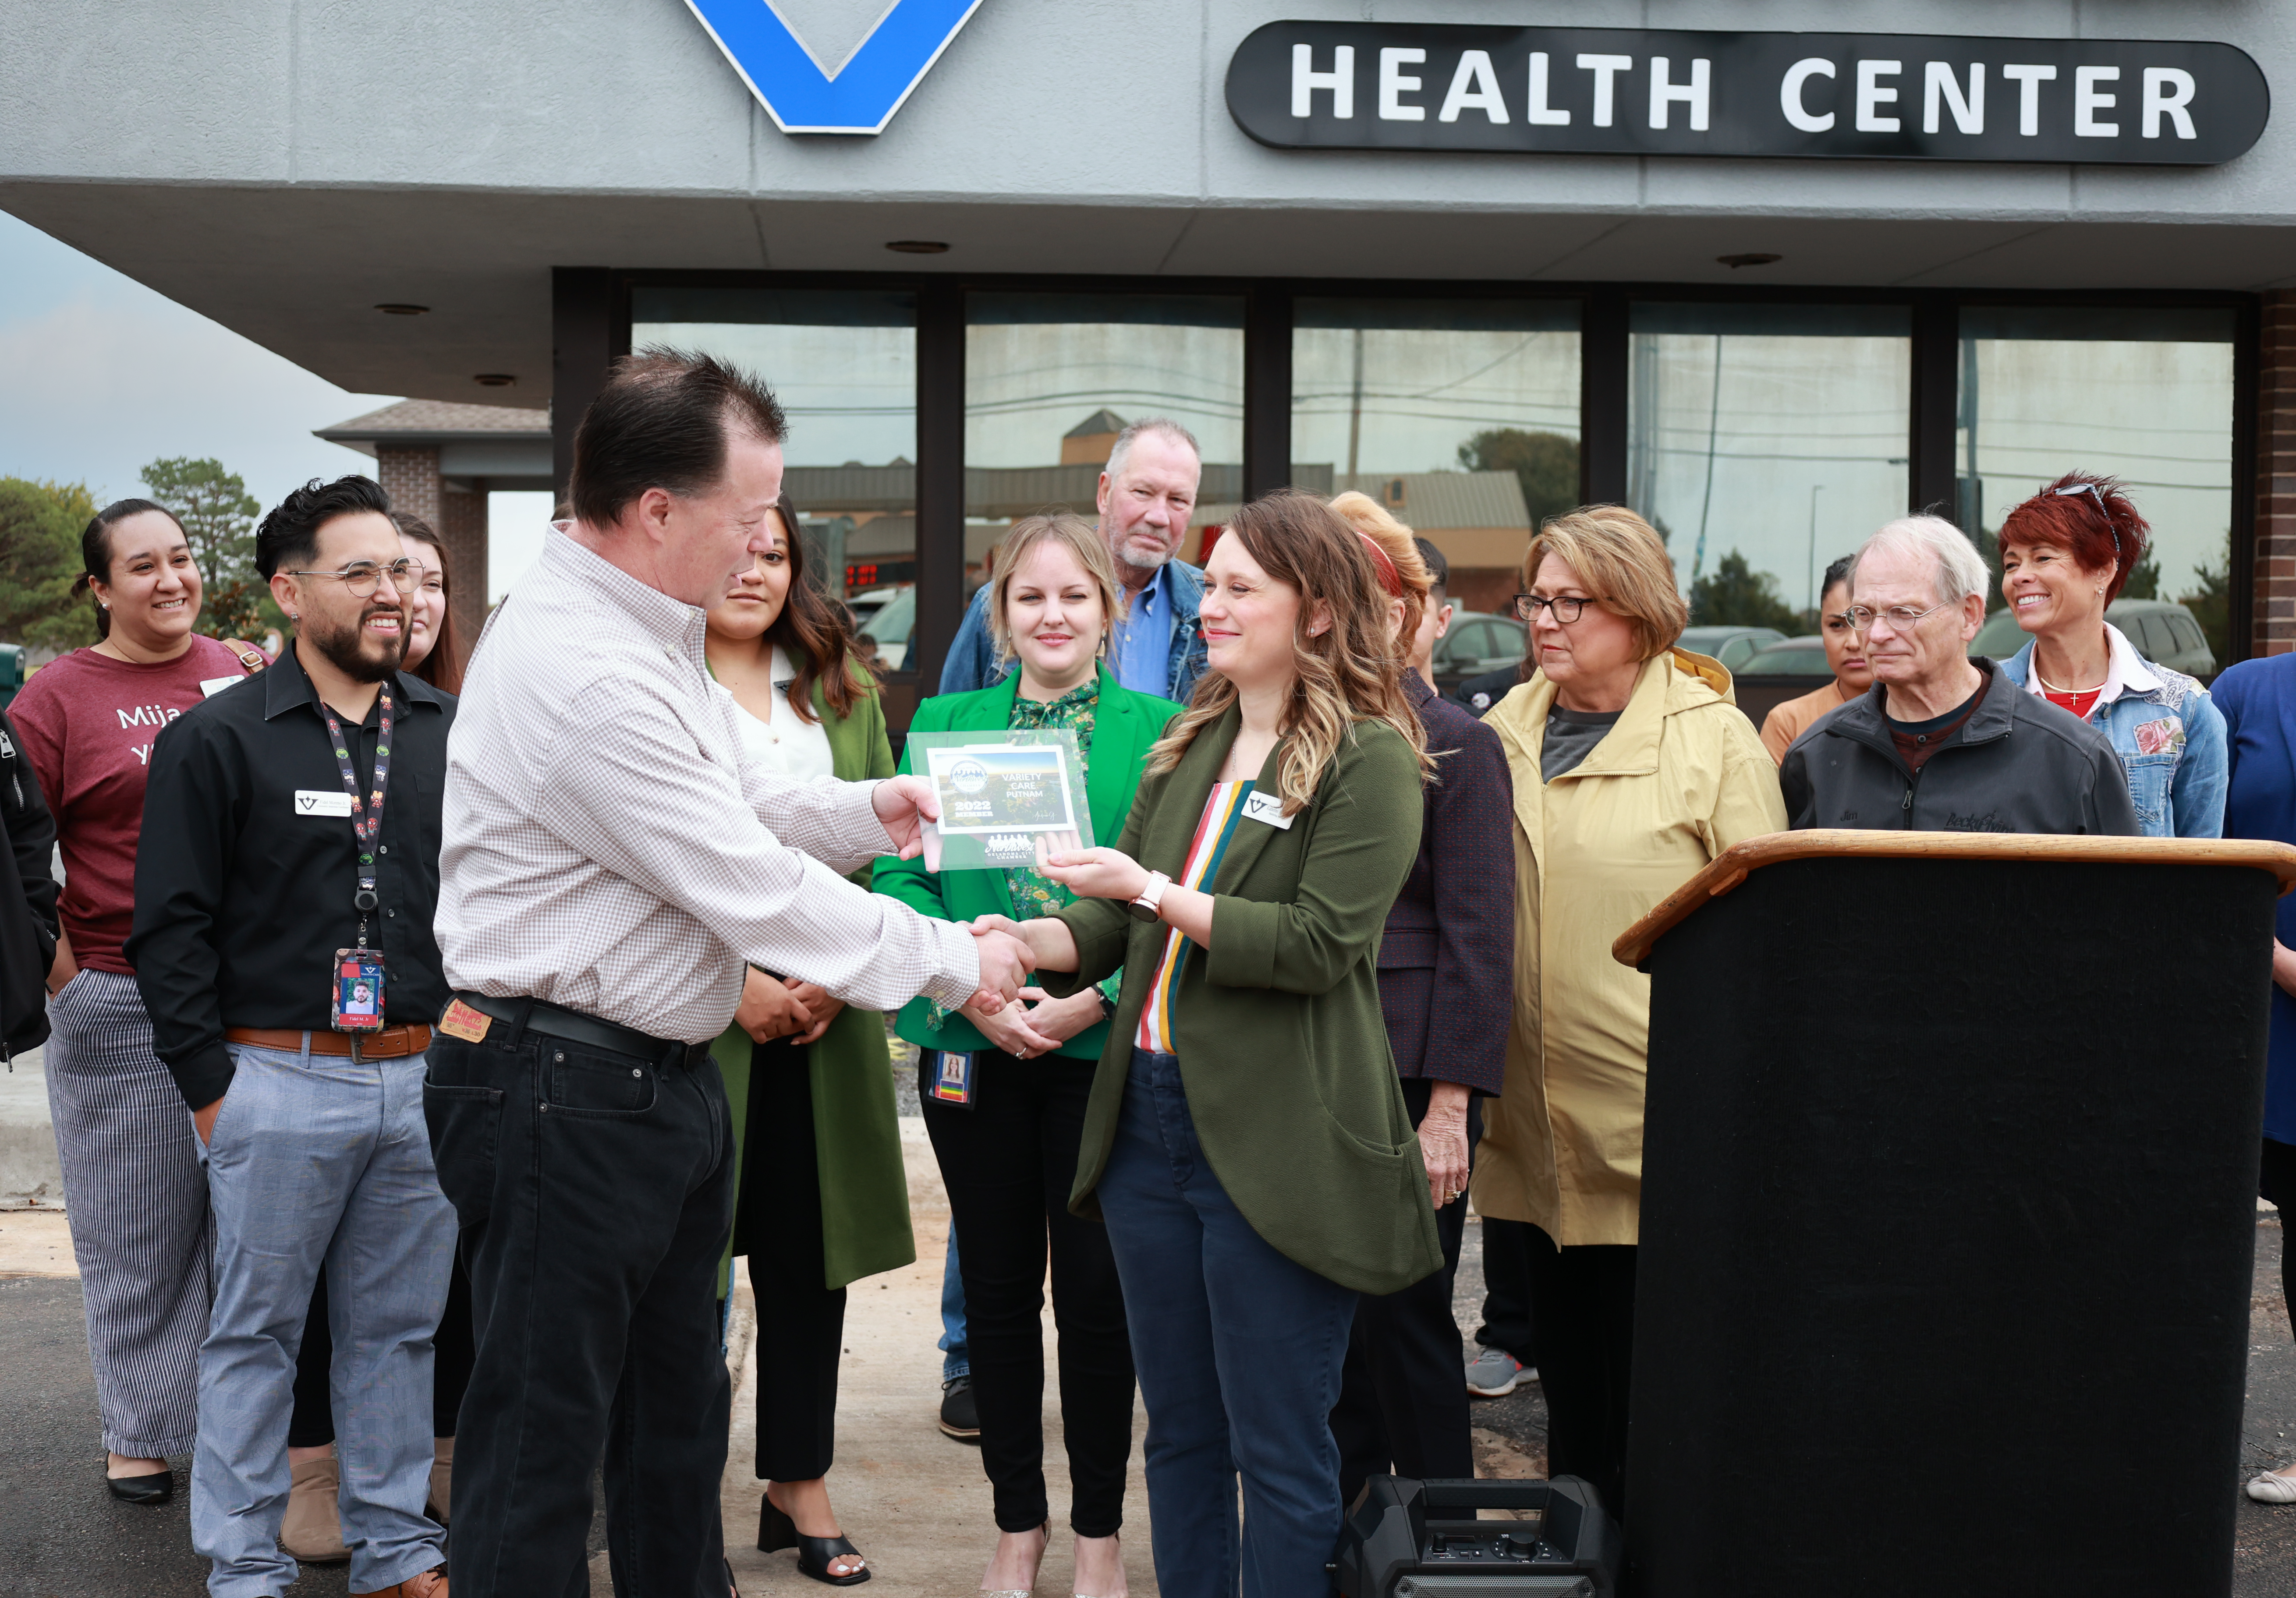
[{"x": 136, "y": 1199}]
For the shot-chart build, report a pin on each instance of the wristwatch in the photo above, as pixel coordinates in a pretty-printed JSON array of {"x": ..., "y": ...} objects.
[
  {"x": 1107, "y": 1004},
  {"x": 1152, "y": 898}
]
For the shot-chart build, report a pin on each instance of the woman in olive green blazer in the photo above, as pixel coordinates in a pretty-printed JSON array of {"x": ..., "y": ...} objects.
[
  {"x": 821, "y": 1195},
  {"x": 1009, "y": 1155},
  {"x": 1247, "y": 1142}
]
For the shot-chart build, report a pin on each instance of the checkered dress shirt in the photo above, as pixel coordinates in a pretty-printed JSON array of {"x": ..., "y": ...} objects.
[{"x": 610, "y": 848}]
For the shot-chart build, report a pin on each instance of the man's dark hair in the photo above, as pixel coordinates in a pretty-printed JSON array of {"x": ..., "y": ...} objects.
[
  {"x": 1839, "y": 572},
  {"x": 287, "y": 540},
  {"x": 663, "y": 421},
  {"x": 1438, "y": 569}
]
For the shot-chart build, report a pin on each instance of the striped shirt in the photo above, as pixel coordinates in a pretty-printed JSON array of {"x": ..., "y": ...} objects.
[{"x": 1223, "y": 808}]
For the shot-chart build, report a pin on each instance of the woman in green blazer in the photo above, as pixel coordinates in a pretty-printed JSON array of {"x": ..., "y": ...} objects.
[
  {"x": 1008, "y": 1151},
  {"x": 1247, "y": 1141},
  {"x": 822, "y": 1198}
]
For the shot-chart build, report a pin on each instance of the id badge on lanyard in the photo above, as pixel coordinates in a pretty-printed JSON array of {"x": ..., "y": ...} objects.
[
  {"x": 355, "y": 1000},
  {"x": 946, "y": 1078}
]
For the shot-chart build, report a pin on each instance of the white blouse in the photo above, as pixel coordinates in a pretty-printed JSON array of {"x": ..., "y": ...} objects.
[{"x": 788, "y": 746}]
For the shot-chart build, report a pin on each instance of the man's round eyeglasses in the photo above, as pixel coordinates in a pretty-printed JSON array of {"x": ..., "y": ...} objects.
[
  {"x": 360, "y": 576},
  {"x": 1840, "y": 621},
  {"x": 1902, "y": 619},
  {"x": 1568, "y": 607}
]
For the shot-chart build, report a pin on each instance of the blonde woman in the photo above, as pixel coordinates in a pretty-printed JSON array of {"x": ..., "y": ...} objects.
[
  {"x": 1633, "y": 768},
  {"x": 1246, "y": 1140}
]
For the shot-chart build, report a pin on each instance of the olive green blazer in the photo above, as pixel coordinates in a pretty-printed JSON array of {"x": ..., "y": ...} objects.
[
  {"x": 1277, "y": 1027},
  {"x": 856, "y": 1129}
]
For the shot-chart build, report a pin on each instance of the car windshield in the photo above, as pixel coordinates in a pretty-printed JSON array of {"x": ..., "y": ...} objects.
[{"x": 890, "y": 627}]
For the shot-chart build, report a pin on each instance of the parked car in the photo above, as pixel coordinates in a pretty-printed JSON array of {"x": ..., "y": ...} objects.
[
  {"x": 1731, "y": 645},
  {"x": 890, "y": 627},
  {"x": 1475, "y": 645},
  {"x": 2161, "y": 630},
  {"x": 865, "y": 605},
  {"x": 1802, "y": 657}
]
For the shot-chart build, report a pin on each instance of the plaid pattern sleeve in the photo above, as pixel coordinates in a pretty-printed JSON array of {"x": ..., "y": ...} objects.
[{"x": 609, "y": 849}]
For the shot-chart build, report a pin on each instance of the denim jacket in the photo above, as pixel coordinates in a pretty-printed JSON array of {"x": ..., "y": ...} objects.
[
  {"x": 973, "y": 662},
  {"x": 2169, "y": 736}
]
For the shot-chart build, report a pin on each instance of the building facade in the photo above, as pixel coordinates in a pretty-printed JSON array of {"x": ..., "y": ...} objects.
[{"x": 1770, "y": 275}]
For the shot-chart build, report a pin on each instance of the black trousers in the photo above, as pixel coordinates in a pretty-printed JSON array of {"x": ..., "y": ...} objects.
[
  {"x": 1403, "y": 1402},
  {"x": 1586, "y": 1296},
  {"x": 1009, "y": 1162},
  {"x": 595, "y": 1191},
  {"x": 2278, "y": 1187},
  {"x": 1509, "y": 1321},
  {"x": 801, "y": 1323},
  {"x": 313, "y": 1423}
]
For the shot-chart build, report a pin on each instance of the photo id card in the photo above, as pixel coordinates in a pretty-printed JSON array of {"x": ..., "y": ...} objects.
[
  {"x": 1005, "y": 798},
  {"x": 945, "y": 1077},
  {"x": 359, "y": 991}
]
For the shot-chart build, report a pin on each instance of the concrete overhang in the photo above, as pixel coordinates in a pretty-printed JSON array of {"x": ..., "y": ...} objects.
[{"x": 494, "y": 445}]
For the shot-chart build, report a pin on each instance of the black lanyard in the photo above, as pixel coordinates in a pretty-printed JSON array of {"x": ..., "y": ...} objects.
[{"x": 367, "y": 818}]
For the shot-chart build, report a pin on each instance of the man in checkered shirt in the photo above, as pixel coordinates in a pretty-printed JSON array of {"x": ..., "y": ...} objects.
[{"x": 612, "y": 863}]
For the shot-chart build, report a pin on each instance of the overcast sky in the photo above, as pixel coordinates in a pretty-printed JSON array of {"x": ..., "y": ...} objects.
[{"x": 104, "y": 374}]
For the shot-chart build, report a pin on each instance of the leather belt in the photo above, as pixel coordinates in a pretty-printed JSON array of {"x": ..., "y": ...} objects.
[
  {"x": 393, "y": 1043},
  {"x": 556, "y": 1020}
]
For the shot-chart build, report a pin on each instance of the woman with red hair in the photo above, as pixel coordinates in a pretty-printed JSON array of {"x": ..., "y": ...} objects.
[{"x": 2065, "y": 555}]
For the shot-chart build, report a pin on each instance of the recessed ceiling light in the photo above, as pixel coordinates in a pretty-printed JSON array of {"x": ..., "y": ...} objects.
[
  {"x": 1735, "y": 261},
  {"x": 402, "y": 310},
  {"x": 495, "y": 380},
  {"x": 918, "y": 247}
]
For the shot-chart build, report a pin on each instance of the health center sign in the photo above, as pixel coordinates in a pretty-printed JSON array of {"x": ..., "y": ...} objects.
[{"x": 1368, "y": 86}]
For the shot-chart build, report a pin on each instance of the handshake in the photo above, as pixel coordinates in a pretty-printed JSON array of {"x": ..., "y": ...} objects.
[{"x": 1007, "y": 957}]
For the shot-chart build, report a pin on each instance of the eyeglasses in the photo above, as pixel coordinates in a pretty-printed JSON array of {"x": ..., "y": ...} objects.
[
  {"x": 2103, "y": 509},
  {"x": 360, "y": 576},
  {"x": 1902, "y": 619},
  {"x": 1842, "y": 621},
  {"x": 1568, "y": 607}
]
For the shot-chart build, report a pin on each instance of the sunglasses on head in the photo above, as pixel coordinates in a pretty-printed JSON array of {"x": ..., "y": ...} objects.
[{"x": 2106, "y": 510}]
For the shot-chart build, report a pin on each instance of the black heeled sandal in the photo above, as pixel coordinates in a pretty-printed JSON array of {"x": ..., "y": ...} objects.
[{"x": 776, "y": 1531}]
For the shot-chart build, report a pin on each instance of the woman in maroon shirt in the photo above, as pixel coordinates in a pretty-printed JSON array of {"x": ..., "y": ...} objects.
[{"x": 133, "y": 1191}]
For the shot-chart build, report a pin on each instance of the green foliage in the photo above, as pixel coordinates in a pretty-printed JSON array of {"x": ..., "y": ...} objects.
[
  {"x": 1546, "y": 465},
  {"x": 2143, "y": 580},
  {"x": 2211, "y": 606},
  {"x": 40, "y": 524},
  {"x": 1733, "y": 595},
  {"x": 219, "y": 516}
]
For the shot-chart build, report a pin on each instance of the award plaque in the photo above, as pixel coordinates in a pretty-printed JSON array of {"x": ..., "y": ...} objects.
[{"x": 1007, "y": 798}]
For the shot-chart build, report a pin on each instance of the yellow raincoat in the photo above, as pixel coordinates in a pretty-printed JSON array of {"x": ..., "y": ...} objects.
[{"x": 1680, "y": 778}]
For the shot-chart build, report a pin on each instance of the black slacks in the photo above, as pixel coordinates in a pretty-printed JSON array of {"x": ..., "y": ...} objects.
[
  {"x": 2277, "y": 1186},
  {"x": 313, "y": 1423},
  {"x": 595, "y": 1190},
  {"x": 801, "y": 1323},
  {"x": 1009, "y": 1162},
  {"x": 1509, "y": 1321},
  {"x": 1403, "y": 1397},
  {"x": 1586, "y": 1298}
]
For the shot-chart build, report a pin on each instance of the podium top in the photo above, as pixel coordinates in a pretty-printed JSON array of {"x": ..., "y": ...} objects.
[{"x": 1729, "y": 868}]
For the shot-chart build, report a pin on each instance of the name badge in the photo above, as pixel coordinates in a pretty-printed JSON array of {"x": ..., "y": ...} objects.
[
  {"x": 312, "y": 801},
  {"x": 945, "y": 1077},
  {"x": 211, "y": 686},
  {"x": 1257, "y": 807}
]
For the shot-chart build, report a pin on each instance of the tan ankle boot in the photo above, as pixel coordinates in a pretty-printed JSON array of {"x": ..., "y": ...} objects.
[
  {"x": 312, "y": 1529},
  {"x": 442, "y": 1477},
  {"x": 430, "y": 1584}
]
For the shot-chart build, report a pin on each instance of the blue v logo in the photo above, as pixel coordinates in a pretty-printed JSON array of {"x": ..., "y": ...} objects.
[{"x": 861, "y": 95}]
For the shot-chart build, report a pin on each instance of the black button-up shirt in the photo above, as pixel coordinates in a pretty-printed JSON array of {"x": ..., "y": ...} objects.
[{"x": 242, "y": 896}]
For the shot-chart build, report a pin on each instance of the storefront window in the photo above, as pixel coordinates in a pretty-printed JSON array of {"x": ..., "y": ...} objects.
[
  {"x": 1764, "y": 441},
  {"x": 844, "y": 364},
  {"x": 1050, "y": 379},
  {"x": 2142, "y": 395},
  {"x": 1460, "y": 415}
]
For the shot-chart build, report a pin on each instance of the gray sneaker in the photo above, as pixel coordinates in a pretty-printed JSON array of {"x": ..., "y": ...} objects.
[{"x": 1494, "y": 1373}]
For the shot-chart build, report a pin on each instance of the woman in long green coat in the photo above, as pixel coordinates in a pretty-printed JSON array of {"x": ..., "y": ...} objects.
[
  {"x": 1006, "y": 1115},
  {"x": 822, "y": 1198}
]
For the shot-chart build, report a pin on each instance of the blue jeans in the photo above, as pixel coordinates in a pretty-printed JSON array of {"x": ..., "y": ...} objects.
[
  {"x": 315, "y": 1158},
  {"x": 1239, "y": 1351},
  {"x": 956, "y": 1353}
]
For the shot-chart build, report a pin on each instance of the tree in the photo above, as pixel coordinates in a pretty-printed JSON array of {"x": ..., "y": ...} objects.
[
  {"x": 2143, "y": 580},
  {"x": 1733, "y": 595},
  {"x": 40, "y": 526},
  {"x": 2211, "y": 606},
  {"x": 1546, "y": 465},
  {"x": 218, "y": 517}
]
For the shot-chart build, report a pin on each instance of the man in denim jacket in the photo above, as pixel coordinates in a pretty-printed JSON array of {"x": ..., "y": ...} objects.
[{"x": 1147, "y": 495}]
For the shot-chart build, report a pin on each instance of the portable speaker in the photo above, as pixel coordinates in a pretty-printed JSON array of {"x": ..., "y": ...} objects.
[{"x": 1421, "y": 1539}]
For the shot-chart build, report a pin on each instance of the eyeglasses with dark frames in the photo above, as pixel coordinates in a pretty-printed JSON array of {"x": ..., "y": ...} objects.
[
  {"x": 362, "y": 576},
  {"x": 1568, "y": 607}
]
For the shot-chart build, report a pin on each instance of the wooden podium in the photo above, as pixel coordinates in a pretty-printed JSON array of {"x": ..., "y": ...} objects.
[{"x": 1947, "y": 1218}]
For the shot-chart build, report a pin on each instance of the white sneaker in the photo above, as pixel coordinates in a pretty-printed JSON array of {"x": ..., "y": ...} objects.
[
  {"x": 1495, "y": 1372},
  {"x": 2273, "y": 1487}
]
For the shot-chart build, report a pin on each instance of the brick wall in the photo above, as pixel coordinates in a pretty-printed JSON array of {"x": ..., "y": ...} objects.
[
  {"x": 410, "y": 476},
  {"x": 463, "y": 523},
  {"x": 2275, "y": 624}
]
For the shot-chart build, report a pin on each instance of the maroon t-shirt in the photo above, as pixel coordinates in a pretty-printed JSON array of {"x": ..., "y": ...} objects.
[{"x": 87, "y": 721}]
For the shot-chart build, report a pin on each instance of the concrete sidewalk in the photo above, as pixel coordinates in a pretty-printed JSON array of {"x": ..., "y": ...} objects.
[{"x": 30, "y": 1176}]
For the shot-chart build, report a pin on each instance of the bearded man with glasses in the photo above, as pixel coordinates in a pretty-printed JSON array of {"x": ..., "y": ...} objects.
[{"x": 1943, "y": 742}]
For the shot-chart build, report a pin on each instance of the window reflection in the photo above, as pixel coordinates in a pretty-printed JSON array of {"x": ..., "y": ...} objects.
[
  {"x": 1773, "y": 433},
  {"x": 1460, "y": 415}
]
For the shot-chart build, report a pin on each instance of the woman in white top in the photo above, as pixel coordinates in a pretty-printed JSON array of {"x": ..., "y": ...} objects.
[{"x": 822, "y": 1200}]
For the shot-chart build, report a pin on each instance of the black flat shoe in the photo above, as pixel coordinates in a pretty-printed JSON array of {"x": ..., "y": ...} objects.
[
  {"x": 776, "y": 1531},
  {"x": 157, "y": 1488}
]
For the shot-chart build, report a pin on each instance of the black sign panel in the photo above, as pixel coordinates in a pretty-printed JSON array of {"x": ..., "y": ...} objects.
[{"x": 1374, "y": 86}]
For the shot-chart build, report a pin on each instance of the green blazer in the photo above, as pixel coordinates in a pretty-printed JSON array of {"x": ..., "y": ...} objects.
[
  {"x": 856, "y": 1129},
  {"x": 1125, "y": 725},
  {"x": 1277, "y": 1027}
]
